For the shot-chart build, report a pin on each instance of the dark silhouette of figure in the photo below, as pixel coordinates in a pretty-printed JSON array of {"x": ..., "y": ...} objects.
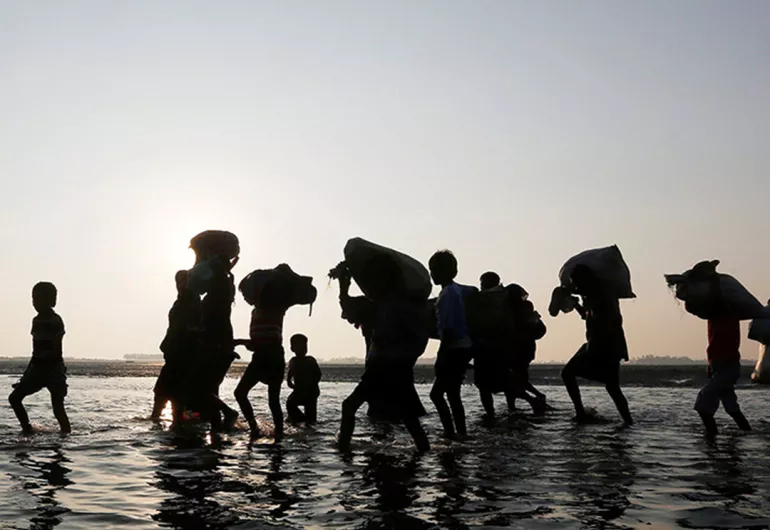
[
  {"x": 267, "y": 361},
  {"x": 178, "y": 345},
  {"x": 358, "y": 311},
  {"x": 724, "y": 358},
  {"x": 528, "y": 329},
  {"x": 456, "y": 349},
  {"x": 399, "y": 337},
  {"x": 217, "y": 345},
  {"x": 599, "y": 358},
  {"x": 46, "y": 369},
  {"x": 303, "y": 378},
  {"x": 502, "y": 360}
]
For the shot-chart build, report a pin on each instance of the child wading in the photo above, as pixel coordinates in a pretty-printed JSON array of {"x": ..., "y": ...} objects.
[
  {"x": 456, "y": 349},
  {"x": 599, "y": 358},
  {"x": 46, "y": 368},
  {"x": 303, "y": 378},
  {"x": 267, "y": 360}
]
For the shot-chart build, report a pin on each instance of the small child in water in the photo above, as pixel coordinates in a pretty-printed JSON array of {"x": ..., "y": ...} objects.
[
  {"x": 46, "y": 368},
  {"x": 303, "y": 378}
]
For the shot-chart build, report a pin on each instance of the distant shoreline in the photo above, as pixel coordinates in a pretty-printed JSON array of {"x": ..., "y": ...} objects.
[{"x": 640, "y": 375}]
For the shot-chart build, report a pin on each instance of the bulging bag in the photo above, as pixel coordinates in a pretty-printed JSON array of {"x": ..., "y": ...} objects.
[
  {"x": 215, "y": 243},
  {"x": 609, "y": 267},
  {"x": 278, "y": 287},
  {"x": 358, "y": 252},
  {"x": 694, "y": 288}
]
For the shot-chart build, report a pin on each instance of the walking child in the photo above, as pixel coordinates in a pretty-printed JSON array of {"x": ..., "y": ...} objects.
[
  {"x": 456, "y": 348},
  {"x": 46, "y": 368},
  {"x": 303, "y": 378}
]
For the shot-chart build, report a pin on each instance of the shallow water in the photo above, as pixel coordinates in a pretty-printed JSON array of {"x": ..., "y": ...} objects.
[{"x": 121, "y": 471}]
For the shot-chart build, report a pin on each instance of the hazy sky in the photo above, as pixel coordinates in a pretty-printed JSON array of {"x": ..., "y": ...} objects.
[{"x": 515, "y": 133}]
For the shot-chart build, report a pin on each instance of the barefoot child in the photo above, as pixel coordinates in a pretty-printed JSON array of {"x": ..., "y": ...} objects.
[
  {"x": 46, "y": 368},
  {"x": 456, "y": 349},
  {"x": 303, "y": 378},
  {"x": 599, "y": 358}
]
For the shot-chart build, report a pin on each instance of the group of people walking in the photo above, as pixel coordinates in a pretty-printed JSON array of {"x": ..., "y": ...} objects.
[{"x": 494, "y": 326}]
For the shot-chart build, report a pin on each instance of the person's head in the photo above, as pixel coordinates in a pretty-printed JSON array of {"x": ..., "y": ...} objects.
[
  {"x": 517, "y": 293},
  {"x": 298, "y": 344},
  {"x": 383, "y": 277},
  {"x": 489, "y": 280},
  {"x": 181, "y": 278},
  {"x": 584, "y": 280},
  {"x": 44, "y": 296},
  {"x": 443, "y": 267}
]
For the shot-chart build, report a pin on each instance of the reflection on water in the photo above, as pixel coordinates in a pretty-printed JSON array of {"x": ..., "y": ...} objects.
[
  {"x": 118, "y": 471},
  {"x": 189, "y": 470},
  {"x": 47, "y": 475}
]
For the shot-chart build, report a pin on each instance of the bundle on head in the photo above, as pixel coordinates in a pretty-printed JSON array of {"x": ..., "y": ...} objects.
[
  {"x": 608, "y": 268},
  {"x": 280, "y": 287},
  {"x": 212, "y": 243}
]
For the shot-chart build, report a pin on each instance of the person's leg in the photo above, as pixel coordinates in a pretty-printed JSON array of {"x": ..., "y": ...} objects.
[
  {"x": 613, "y": 389},
  {"x": 348, "y": 422},
  {"x": 57, "y": 403},
  {"x": 248, "y": 381},
  {"x": 414, "y": 427},
  {"x": 274, "y": 401},
  {"x": 707, "y": 404},
  {"x": 437, "y": 397},
  {"x": 311, "y": 410},
  {"x": 15, "y": 399},
  {"x": 292, "y": 409},
  {"x": 456, "y": 404},
  {"x": 730, "y": 400},
  {"x": 569, "y": 376},
  {"x": 488, "y": 402}
]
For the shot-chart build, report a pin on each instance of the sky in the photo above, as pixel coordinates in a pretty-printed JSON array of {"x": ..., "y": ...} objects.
[{"x": 514, "y": 133}]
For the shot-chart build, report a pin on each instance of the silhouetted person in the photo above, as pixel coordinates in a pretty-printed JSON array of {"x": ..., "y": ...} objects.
[
  {"x": 359, "y": 311},
  {"x": 599, "y": 358},
  {"x": 493, "y": 351},
  {"x": 267, "y": 361},
  {"x": 528, "y": 329},
  {"x": 183, "y": 325},
  {"x": 217, "y": 345},
  {"x": 303, "y": 377},
  {"x": 724, "y": 361},
  {"x": 456, "y": 348},
  {"x": 502, "y": 363},
  {"x": 46, "y": 368},
  {"x": 489, "y": 280},
  {"x": 399, "y": 337}
]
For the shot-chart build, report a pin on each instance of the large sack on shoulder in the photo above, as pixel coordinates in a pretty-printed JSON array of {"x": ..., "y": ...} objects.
[
  {"x": 278, "y": 287},
  {"x": 694, "y": 288},
  {"x": 358, "y": 252},
  {"x": 609, "y": 267},
  {"x": 215, "y": 243}
]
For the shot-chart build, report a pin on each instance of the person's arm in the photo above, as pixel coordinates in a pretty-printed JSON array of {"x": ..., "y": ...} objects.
[
  {"x": 290, "y": 374},
  {"x": 448, "y": 307},
  {"x": 580, "y": 309},
  {"x": 316, "y": 372}
]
